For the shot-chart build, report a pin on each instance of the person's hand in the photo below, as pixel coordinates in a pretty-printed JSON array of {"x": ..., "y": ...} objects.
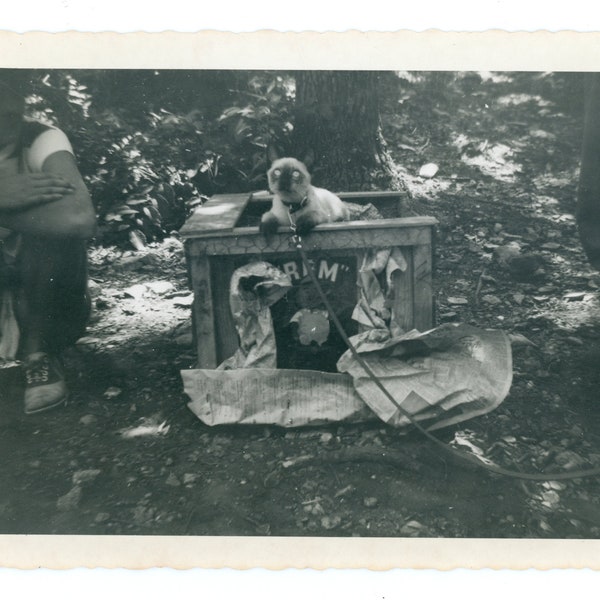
[{"x": 20, "y": 192}]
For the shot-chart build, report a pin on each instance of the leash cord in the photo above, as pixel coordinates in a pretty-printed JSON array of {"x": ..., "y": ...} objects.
[{"x": 463, "y": 456}]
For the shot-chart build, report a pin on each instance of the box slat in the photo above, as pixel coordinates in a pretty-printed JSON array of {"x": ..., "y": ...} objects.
[{"x": 218, "y": 215}]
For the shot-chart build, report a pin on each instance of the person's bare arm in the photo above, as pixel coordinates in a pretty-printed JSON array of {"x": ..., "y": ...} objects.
[
  {"x": 68, "y": 214},
  {"x": 24, "y": 191}
]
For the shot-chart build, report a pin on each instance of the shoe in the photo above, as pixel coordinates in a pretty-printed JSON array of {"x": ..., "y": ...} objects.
[{"x": 45, "y": 386}]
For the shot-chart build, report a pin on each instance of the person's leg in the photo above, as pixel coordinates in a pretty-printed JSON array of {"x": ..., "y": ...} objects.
[{"x": 52, "y": 308}]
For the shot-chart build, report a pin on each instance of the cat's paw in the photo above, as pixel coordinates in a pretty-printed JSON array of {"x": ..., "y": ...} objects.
[
  {"x": 269, "y": 225},
  {"x": 306, "y": 223}
]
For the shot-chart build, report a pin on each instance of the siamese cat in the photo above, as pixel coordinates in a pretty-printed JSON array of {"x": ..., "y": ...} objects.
[{"x": 294, "y": 197}]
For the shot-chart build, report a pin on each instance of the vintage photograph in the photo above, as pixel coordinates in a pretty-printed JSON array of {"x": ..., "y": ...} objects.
[{"x": 300, "y": 303}]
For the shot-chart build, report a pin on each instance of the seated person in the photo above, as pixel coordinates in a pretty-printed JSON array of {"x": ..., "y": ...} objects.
[{"x": 46, "y": 215}]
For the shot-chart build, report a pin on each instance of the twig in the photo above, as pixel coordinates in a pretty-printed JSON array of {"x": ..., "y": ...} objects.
[
  {"x": 189, "y": 521},
  {"x": 478, "y": 288}
]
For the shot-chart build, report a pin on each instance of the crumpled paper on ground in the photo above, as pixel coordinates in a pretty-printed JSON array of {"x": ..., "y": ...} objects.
[
  {"x": 441, "y": 377},
  {"x": 285, "y": 397}
]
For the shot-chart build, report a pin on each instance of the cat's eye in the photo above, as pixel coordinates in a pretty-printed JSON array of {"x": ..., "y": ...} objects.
[
  {"x": 296, "y": 175},
  {"x": 276, "y": 173}
]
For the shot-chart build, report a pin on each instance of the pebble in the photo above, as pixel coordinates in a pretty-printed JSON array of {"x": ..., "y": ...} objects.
[
  {"x": 330, "y": 522},
  {"x": 457, "y": 300},
  {"x": 550, "y": 498},
  {"x": 576, "y": 431},
  {"x": 503, "y": 254},
  {"x": 411, "y": 528},
  {"x": 133, "y": 262},
  {"x": 172, "y": 480},
  {"x": 70, "y": 500},
  {"x": 428, "y": 171},
  {"x": 112, "y": 392},
  {"x": 189, "y": 478},
  {"x": 88, "y": 420},
  {"x": 326, "y": 438},
  {"x": 569, "y": 460},
  {"x": 574, "y": 296},
  {"x": 143, "y": 515},
  {"x": 160, "y": 287},
  {"x": 135, "y": 291},
  {"x": 85, "y": 476},
  {"x": 102, "y": 517},
  {"x": 448, "y": 315},
  {"x": 184, "y": 301},
  {"x": 370, "y": 502},
  {"x": 185, "y": 340},
  {"x": 555, "y": 485},
  {"x": 490, "y": 299}
]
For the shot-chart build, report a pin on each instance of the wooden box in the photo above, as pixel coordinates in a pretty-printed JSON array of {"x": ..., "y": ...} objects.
[{"x": 223, "y": 234}]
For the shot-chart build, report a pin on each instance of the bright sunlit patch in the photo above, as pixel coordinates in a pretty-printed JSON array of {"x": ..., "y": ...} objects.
[
  {"x": 146, "y": 429},
  {"x": 215, "y": 210},
  {"x": 554, "y": 180},
  {"x": 518, "y": 99},
  {"x": 494, "y": 77},
  {"x": 494, "y": 160}
]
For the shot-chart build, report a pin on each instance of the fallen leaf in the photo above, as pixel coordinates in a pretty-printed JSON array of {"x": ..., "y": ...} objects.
[
  {"x": 88, "y": 420},
  {"x": 160, "y": 287},
  {"x": 330, "y": 522},
  {"x": 135, "y": 291},
  {"x": 70, "y": 500},
  {"x": 112, "y": 392},
  {"x": 184, "y": 301},
  {"x": 172, "y": 480},
  {"x": 143, "y": 430},
  {"x": 574, "y": 296},
  {"x": 517, "y": 339}
]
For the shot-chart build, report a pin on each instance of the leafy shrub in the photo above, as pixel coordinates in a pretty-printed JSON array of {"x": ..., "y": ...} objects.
[{"x": 261, "y": 117}]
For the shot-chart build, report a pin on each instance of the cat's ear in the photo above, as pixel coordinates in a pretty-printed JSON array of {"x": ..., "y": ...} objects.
[
  {"x": 273, "y": 153},
  {"x": 309, "y": 158}
]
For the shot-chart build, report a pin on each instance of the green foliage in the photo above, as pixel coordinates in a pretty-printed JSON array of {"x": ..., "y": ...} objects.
[
  {"x": 141, "y": 177},
  {"x": 261, "y": 118}
]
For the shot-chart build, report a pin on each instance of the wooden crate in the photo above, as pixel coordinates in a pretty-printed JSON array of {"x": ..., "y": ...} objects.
[{"x": 223, "y": 233}]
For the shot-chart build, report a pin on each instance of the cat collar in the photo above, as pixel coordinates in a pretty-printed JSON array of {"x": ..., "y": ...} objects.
[{"x": 292, "y": 208}]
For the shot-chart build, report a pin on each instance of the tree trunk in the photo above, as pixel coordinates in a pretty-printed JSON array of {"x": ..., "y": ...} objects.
[
  {"x": 337, "y": 117},
  {"x": 588, "y": 198}
]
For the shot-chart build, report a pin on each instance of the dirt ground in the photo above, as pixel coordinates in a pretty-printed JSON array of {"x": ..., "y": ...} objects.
[{"x": 126, "y": 455}]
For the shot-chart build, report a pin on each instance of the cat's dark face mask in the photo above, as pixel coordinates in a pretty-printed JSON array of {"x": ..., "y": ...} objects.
[{"x": 289, "y": 178}]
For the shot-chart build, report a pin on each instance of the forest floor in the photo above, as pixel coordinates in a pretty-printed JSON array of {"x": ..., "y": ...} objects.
[{"x": 126, "y": 455}]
